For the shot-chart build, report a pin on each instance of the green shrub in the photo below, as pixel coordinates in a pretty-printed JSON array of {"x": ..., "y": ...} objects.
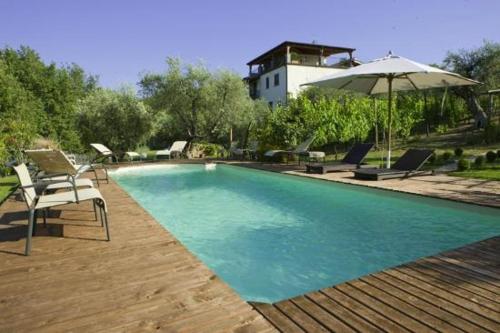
[
  {"x": 463, "y": 164},
  {"x": 479, "y": 161},
  {"x": 498, "y": 153},
  {"x": 446, "y": 156},
  {"x": 491, "y": 133},
  {"x": 459, "y": 152},
  {"x": 433, "y": 158},
  {"x": 491, "y": 156},
  {"x": 441, "y": 129}
]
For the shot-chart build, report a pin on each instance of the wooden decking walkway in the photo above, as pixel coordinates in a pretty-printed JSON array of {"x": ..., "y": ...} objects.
[
  {"x": 143, "y": 280},
  {"x": 456, "y": 291}
]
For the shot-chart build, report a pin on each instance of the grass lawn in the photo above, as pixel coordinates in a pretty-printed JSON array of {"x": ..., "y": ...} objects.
[
  {"x": 489, "y": 172},
  {"x": 7, "y": 185}
]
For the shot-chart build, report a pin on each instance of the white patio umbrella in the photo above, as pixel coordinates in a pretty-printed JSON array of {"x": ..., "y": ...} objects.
[{"x": 388, "y": 74}]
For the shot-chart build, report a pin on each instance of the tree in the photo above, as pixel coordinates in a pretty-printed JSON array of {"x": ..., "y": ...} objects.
[
  {"x": 191, "y": 102},
  {"x": 19, "y": 111},
  {"x": 481, "y": 64},
  {"x": 118, "y": 119},
  {"x": 55, "y": 89}
]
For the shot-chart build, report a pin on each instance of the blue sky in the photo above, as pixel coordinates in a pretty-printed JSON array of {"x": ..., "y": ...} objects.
[{"x": 119, "y": 40}]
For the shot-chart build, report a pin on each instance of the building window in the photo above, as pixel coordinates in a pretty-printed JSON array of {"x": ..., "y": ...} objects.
[
  {"x": 267, "y": 82},
  {"x": 276, "y": 79}
]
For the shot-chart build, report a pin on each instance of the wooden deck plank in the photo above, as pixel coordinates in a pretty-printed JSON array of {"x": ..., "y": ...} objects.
[
  {"x": 300, "y": 317},
  {"x": 277, "y": 318},
  {"x": 409, "y": 309},
  {"x": 421, "y": 303},
  {"x": 400, "y": 317},
  {"x": 455, "y": 280},
  {"x": 320, "y": 315},
  {"x": 143, "y": 280},
  {"x": 457, "y": 310},
  {"x": 475, "y": 278},
  {"x": 360, "y": 324},
  {"x": 450, "y": 287},
  {"x": 462, "y": 301},
  {"x": 364, "y": 311}
]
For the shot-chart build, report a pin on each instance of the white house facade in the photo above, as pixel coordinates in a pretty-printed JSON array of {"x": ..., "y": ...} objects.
[{"x": 279, "y": 73}]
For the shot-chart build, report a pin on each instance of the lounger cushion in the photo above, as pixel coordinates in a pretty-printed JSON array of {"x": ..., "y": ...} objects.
[
  {"x": 271, "y": 153},
  {"x": 64, "y": 198},
  {"x": 165, "y": 152},
  {"x": 379, "y": 174},
  {"x": 324, "y": 168},
  {"x": 317, "y": 154},
  {"x": 85, "y": 182}
]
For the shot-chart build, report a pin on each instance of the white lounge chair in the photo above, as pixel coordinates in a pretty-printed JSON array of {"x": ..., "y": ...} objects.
[
  {"x": 103, "y": 155},
  {"x": 302, "y": 149},
  {"x": 176, "y": 148},
  {"x": 36, "y": 203},
  {"x": 58, "y": 171},
  {"x": 133, "y": 156},
  {"x": 234, "y": 151}
]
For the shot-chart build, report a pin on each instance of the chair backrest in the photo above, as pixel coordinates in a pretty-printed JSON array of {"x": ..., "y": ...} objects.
[
  {"x": 52, "y": 161},
  {"x": 357, "y": 153},
  {"x": 101, "y": 149},
  {"x": 412, "y": 159},
  {"x": 304, "y": 146},
  {"x": 26, "y": 183},
  {"x": 253, "y": 145},
  {"x": 178, "y": 146}
]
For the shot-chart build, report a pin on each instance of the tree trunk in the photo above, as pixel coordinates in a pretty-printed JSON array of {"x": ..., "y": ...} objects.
[{"x": 480, "y": 117}]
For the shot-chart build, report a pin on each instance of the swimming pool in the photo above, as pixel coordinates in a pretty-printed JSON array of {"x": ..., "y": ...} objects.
[{"x": 272, "y": 236}]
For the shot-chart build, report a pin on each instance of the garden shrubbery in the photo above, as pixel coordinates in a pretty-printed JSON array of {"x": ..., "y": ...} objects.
[
  {"x": 479, "y": 161},
  {"x": 446, "y": 156},
  {"x": 491, "y": 156},
  {"x": 463, "y": 164}
]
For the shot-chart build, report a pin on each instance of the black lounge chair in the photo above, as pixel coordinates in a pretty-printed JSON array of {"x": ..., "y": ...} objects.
[
  {"x": 351, "y": 161},
  {"x": 407, "y": 165}
]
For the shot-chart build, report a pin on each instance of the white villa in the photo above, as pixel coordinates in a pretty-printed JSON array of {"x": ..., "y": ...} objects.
[{"x": 280, "y": 72}]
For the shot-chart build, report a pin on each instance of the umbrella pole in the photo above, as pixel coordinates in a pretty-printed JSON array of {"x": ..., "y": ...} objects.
[{"x": 389, "y": 80}]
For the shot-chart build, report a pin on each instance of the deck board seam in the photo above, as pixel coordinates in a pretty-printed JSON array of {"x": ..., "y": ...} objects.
[
  {"x": 391, "y": 306},
  {"x": 431, "y": 267},
  {"x": 339, "y": 317},
  {"x": 417, "y": 307},
  {"x": 442, "y": 300},
  {"x": 459, "y": 304},
  {"x": 451, "y": 286},
  {"x": 371, "y": 309}
]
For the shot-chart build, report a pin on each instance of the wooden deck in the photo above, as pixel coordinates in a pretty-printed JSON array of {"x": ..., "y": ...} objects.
[
  {"x": 142, "y": 281},
  {"x": 456, "y": 291}
]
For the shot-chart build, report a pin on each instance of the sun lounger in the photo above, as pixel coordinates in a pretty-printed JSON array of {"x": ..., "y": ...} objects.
[
  {"x": 407, "y": 165},
  {"x": 57, "y": 171},
  {"x": 132, "y": 156},
  {"x": 37, "y": 203},
  {"x": 176, "y": 148},
  {"x": 234, "y": 151},
  {"x": 351, "y": 161},
  {"x": 103, "y": 155},
  {"x": 301, "y": 150}
]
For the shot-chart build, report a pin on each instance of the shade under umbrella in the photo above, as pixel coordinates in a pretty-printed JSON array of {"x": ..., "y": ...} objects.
[{"x": 388, "y": 74}]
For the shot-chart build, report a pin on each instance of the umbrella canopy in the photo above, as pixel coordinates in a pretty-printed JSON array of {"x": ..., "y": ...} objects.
[{"x": 388, "y": 74}]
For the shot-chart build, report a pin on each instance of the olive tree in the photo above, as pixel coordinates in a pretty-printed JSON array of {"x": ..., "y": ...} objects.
[
  {"x": 118, "y": 119},
  {"x": 191, "y": 102}
]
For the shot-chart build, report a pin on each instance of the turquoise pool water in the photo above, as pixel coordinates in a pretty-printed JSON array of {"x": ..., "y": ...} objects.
[{"x": 272, "y": 236}]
